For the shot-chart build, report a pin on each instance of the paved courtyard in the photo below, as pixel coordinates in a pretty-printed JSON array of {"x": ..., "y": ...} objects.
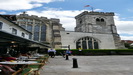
[{"x": 90, "y": 65}]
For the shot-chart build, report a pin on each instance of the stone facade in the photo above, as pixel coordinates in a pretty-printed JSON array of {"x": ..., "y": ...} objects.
[
  {"x": 42, "y": 28},
  {"x": 94, "y": 30},
  {"x": 106, "y": 41}
]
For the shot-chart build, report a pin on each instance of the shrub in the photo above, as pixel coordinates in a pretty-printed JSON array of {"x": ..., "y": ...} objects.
[{"x": 98, "y": 51}]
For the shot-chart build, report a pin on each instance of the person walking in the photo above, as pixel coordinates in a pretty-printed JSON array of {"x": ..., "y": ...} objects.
[
  {"x": 68, "y": 52},
  {"x": 80, "y": 51},
  {"x": 52, "y": 53}
]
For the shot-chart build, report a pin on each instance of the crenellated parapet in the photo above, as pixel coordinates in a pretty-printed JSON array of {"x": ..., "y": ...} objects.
[{"x": 95, "y": 13}]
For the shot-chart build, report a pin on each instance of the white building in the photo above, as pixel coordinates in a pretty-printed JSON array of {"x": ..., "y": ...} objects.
[
  {"x": 12, "y": 28},
  {"x": 14, "y": 37}
]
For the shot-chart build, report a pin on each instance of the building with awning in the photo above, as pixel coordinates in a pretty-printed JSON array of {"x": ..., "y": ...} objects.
[{"x": 13, "y": 36}]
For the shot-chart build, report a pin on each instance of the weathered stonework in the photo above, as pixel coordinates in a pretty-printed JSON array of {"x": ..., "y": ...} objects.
[
  {"x": 94, "y": 30},
  {"x": 52, "y": 30}
]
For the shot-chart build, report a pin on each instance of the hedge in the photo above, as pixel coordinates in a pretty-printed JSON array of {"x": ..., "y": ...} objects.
[{"x": 98, "y": 51}]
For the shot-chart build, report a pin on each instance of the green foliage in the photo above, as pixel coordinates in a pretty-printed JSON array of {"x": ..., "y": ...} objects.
[
  {"x": 98, "y": 51},
  {"x": 127, "y": 45}
]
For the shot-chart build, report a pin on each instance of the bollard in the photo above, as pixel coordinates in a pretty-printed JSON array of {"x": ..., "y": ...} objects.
[
  {"x": 75, "y": 64},
  {"x": 67, "y": 58}
]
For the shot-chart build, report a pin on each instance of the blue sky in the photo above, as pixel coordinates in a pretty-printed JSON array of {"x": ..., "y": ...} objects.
[{"x": 66, "y": 10}]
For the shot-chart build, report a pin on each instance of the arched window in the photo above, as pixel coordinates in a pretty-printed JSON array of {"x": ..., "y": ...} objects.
[
  {"x": 29, "y": 28},
  {"x": 43, "y": 33},
  {"x": 97, "y": 20},
  {"x": 36, "y": 32},
  {"x": 102, "y": 20},
  {"x": 1, "y": 24},
  {"x": 87, "y": 43},
  {"x": 23, "y": 26},
  {"x": 80, "y": 21}
]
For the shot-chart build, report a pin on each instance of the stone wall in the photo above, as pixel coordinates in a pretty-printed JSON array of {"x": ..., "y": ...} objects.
[{"x": 106, "y": 41}]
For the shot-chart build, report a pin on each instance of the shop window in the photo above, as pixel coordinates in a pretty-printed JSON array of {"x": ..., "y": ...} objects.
[
  {"x": 14, "y": 31},
  {"x": 23, "y": 35},
  {"x": 1, "y": 24}
]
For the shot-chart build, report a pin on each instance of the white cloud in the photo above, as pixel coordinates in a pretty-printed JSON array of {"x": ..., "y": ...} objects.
[
  {"x": 127, "y": 37},
  {"x": 2, "y": 12},
  {"x": 66, "y": 17},
  {"x": 22, "y": 4},
  {"x": 44, "y": 1},
  {"x": 98, "y": 10},
  {"x": 124, "y": 27},
  {"x": 130, "y": 10}
]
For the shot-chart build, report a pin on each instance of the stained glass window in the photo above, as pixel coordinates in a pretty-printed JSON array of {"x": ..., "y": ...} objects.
[
  {"x": 29, "y": 28},
  {"x": 36, "y": 32},
  {"x": 23, "y": 26},
  {"x": 43, "y": 33},
  {"x": 87, "y": 43}
]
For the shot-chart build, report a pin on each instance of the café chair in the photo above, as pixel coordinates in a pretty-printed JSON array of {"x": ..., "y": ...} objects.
[
  {"x": 24, "y": 71},
  {"x": 36, "y": 67}
]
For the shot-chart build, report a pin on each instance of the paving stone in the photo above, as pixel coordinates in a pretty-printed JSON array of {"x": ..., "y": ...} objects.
[{"x": 90, "y": 65}]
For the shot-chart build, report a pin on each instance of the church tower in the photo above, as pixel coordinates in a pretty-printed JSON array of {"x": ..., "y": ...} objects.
[
  {"x": 95, "y": 22},
  {"x": 99, "y": 23}
]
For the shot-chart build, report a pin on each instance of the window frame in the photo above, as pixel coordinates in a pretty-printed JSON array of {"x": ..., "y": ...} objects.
[
  {"x": 1, "y": 25},
  {"x": 14, "y": 31}
]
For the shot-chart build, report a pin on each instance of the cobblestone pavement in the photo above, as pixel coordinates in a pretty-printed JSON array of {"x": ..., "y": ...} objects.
[{"x": 89, "y": 65}]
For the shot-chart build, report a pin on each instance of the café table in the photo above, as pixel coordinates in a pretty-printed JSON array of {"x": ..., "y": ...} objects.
[
  {"x": 33, "y": 57},
  {"x": 18, "y": 62},
  {"x": 40, "y": 55}
]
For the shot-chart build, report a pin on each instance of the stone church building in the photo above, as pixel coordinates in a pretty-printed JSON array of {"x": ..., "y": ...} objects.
[{"x": 94, "y": 30}]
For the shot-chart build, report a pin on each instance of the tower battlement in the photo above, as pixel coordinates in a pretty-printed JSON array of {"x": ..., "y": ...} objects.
[{"x": 95, "y": 13}]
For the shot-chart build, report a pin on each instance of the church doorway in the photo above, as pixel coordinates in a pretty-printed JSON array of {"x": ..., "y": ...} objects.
[{"x": 87, "y": 43}]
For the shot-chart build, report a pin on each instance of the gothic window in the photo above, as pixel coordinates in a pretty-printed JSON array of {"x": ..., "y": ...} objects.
[
  {"x": 78, "y": 45},
  {"x": 102, "y": 20},
  {"x": 30, "y": 36},
  {"x": 80, "y": 21},
  {"x": 1, "y": 24},
  {"x": 84, "y": 44},
  {"x": 43, "y": 33},
  {"x": 23, "y": 26},
  {"x": 90, "y": 44},
  {"x": 36, "y": 32},
  {"x": 97, "y": 20},
  {"x": 95, "y": 45},
  {"x": 29, "y": 28},
  {"x": 87, "y": 43}
]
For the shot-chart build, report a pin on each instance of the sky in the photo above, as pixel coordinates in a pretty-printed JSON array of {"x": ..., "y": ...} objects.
[{"x": 66, "y": 10}]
